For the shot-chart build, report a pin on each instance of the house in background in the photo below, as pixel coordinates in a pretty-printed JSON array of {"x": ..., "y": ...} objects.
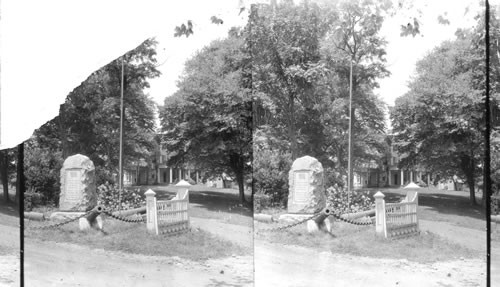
[
  {"x": 388, "y": 174},
  {"x": 155, "y": 171}
]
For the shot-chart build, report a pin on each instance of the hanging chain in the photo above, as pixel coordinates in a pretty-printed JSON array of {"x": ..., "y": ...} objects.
[
  {"x": 351, "y": 221},
  {"x": 59, "y": 224},
  {"x": 124, "y": 219},
  {"x": 279, "y": 228}
]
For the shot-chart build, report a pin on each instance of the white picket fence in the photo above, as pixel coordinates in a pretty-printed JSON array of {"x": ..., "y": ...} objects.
[
  {"x": 396, "y": 219},
  {"x": 168, "y": 216}
]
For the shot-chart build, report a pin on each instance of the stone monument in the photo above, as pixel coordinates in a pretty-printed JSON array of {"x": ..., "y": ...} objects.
[
  {"x": 306, "y": 193},
  {"x": 78, "y": 185}
]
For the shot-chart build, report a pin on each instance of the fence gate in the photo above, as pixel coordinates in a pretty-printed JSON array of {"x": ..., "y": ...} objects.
[
  {"x": 397, "y": 219},
  {"x": 168, "y": 216}
]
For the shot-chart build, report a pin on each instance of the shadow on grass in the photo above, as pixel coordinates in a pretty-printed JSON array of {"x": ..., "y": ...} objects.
[
  {"x": 10, "y": 209},
  {"x": 439, "y": 203},
  {"x": 209, "y": 202}
]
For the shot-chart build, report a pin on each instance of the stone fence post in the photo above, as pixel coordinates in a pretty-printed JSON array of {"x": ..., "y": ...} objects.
[
  {"x": 380, "y": 223},
  {"x": 151, "y": 214}
]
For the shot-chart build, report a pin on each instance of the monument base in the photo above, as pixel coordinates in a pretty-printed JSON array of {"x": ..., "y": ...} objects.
[
  {"x": 65, "y": 215},
  {"x": 84, "y": 223},
  {"x": 325, "y": 225},
  {"x": 312, "y": 226},
  {"x": 293, "y": 217}
]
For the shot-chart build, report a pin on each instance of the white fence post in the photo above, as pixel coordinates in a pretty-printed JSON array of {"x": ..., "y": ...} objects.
[
  {"x": 380, "y": 223},
  {"x": 151, "y": 214},
  {"x": 183, "y": 193}
]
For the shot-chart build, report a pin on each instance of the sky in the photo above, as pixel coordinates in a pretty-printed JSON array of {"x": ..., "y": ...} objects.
[
  {"x": 49, "y": 49},
  {"x": 402, "y": 52}
]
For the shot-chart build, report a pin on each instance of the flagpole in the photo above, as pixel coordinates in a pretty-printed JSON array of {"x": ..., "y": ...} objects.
[
  {"x": 120, "y": 179},
  {"x": 349, "y": 156}
]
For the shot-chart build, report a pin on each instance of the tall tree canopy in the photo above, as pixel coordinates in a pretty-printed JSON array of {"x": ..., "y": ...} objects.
[
  {"x": 89, "y": 121},
  {"x": 207, "y": 122},
  {"x": 301, "y": 55},
  {"x": 438, "y": 123}
]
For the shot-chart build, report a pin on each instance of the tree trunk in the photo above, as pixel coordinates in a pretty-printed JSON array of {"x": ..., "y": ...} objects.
[
  {"x": 238, "y": 167},
  {"x": 241, "y": 187},
  {"x": 4, "y": 175},
  {"x": 467, "y": 165},
  {"x": 472, "y": 190}
]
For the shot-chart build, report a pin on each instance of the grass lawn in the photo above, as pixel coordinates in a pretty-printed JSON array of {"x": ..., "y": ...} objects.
[
  {"x": 219, "y": 204},
  {"x": 363, "y": 241},
  {"x": 434, "y": 205},
  {"x": 133, "y": 238}
]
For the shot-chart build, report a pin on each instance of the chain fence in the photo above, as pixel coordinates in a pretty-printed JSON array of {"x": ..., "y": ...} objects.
[
  {"x": 59, "y": 224},
  {"x": 124, "y": 219},
  {"x": 337, "y": 216},
  {"x": 351, "y": 221},
  {"x": 181, "y": 227},
  {"x": 98, "y": 210},
  {"x": 283, "y": 227}
]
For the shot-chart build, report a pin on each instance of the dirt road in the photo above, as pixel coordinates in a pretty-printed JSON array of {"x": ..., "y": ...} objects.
[
  {"x": 58, "y": 264},
  {"x": 285, "y": 265},
  {"x": 62, "y": 264},
  {"x": 9, "y": 247}
]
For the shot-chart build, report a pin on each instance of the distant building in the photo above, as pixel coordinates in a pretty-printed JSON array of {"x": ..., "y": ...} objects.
[
  {"x": 156, "y": 171},
  {"x": 388, "y": 174}
]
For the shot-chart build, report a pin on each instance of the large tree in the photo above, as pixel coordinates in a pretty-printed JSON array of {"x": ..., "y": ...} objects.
[
  {"x": 207, "y": 122},
  {"x": 8, "y": 158},
  {"x": 301, "y": 55},
  {"x": 89, "y": 121},
  {"x": 354, "y": 44},
  {"x": 438, "y": 123},
  {"x": 284, "y": 41}
]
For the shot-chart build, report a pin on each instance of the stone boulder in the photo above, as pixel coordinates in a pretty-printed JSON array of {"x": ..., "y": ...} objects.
[
  {"x": 78, "y": 184},
  {"x": 306, "y": 186}
]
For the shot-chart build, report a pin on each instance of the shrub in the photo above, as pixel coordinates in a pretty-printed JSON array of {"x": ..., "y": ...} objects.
[
  {"x": 338, "y": 199},
  {"x": 42, "y": 167},
  {"x": 31, "y": 199},
  {"x": 261, "y": 201},
  {"x": 104, "y": 176},
  {"x": 270, "y": 174},
  {"x": 108, "y": 196},
  {"x": 333, "y": 177}
]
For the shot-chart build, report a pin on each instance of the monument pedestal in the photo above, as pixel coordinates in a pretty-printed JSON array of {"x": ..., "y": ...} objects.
[
  {"x": 65, "y": 215},
  {"x": 312, "y": 226},
  {"x": 85, "y": 224},
  {"x": 293, "y": 217}
]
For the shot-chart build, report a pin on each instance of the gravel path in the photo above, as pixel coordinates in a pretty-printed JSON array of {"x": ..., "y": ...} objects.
[{"x": 285, "y": 265}]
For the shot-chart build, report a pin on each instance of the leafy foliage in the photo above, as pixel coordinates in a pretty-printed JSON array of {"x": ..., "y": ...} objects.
[
  {"x": 108, "y": 196},
  {"x": 439, "y": 122},
  {"x": 184, "y": 29},
  {"x": 7, "y": 170},
  {"x": 42, "y": 166},
  {"x": 89, "y": 122},
  {"x": 261, "y": 201},
  {"x": 270, "y": 171},
  {"x": 342, "y": 203},
  {"x": 207, "y": 122},
  {"x": 301, "y": 56}
]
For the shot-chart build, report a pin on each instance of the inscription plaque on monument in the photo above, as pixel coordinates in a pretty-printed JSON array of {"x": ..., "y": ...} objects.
[
  {"x": 73, "y": 185},
  {"x": 301, "y": 187}
]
